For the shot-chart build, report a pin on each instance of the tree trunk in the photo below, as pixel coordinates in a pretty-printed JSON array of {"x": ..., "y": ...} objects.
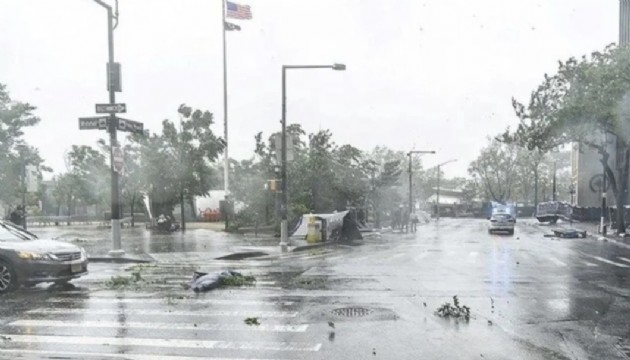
[
  {"x": 536, "y": 187},
  {"x": 182, "y": 208},
  {"x": 133, "y": 218}
]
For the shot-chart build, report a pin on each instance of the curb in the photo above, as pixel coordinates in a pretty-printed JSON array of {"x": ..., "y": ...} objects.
[{"x": 120, "y": 260}]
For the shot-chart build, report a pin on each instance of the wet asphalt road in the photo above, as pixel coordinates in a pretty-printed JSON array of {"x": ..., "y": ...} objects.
[{"x": 531, "y": 297}]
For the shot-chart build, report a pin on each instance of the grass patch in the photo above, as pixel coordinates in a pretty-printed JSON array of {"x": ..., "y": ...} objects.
[{"x": 238, "y": 280}]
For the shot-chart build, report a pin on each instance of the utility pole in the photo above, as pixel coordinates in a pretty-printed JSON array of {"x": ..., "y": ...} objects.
[
  {"x": 409, "y": 154},
  {"x": 113, "y": 122}
]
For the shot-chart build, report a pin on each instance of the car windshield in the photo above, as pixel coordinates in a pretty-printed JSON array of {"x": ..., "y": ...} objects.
[{"x": 11, "y": 233}]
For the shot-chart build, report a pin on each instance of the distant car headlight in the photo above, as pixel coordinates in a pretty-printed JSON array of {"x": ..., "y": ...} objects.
[{"x": 27, "y": 255}]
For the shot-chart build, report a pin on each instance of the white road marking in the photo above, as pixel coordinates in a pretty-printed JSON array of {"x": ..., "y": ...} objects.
[
  {"x": 159, "y": 326},
  {"x": 608, "y": 261},
  {"x": 199, "y": 313},
  {"x": 590, "y": 264},
  {"x": 556, "y": 261},
  {"x": 137, "y": 300},
  {"x": 167, "y": 343},
  {"x": 84, "y": 355},
  {"x": 472, "y": 256},
  {"x": 623, "y": 259}
]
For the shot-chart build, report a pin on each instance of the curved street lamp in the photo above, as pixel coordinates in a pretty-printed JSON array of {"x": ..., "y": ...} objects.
[{"x": 284, "y": 236}]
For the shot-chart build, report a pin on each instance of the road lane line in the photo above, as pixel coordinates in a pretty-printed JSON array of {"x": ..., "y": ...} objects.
[
  {"x": 199, "y": 313},
  {"x": 623, "y": 259},
  {"x": 556, "y": 261},
  {"x": 84, "y": 355},
  {"x": 167, "y": 343},
  {"x": 608, "y": 261},
  {"x": 159, "y": 326},
  {"x": 590, "y": 264},
  {"x": 138, "y": 300}
]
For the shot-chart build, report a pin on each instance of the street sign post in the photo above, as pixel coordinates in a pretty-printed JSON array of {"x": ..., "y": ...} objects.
[
  {"x": 130, "y": 126},
  {"x": 111, "y": 108},
  {"x": 93, "y": 123}
]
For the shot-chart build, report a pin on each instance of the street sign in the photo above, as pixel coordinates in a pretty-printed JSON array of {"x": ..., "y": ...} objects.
[
  {"x": 32, "y": 180},
  {"x": 130, "y": 126},
  {"x": 111, "y": 108},
  {"x": 277, "y": 137},
  {"x": 118, "y": 159},
  {"x": 93, "y": 123},
  {"x": 113, "y": 77}
]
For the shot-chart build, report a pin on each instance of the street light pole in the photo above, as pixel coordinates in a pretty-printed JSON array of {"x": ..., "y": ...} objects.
[
  {"x": 437, "y": 199},
  {"x": 284, "y": 206},
  {"x": 115, "y": 201},
  {"x": 411, "y": 207}
]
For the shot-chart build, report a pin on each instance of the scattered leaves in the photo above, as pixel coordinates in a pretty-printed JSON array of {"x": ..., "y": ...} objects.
[
  {"x": 455, "y": 310},
  {"x": 252, "y": 321}
]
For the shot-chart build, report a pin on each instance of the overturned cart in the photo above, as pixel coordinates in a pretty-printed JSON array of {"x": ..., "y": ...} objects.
[{"x": 338, "y": 226}]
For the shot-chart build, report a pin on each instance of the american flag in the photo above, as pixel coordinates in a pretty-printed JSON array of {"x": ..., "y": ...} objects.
[{"x": 236, "y": 11}]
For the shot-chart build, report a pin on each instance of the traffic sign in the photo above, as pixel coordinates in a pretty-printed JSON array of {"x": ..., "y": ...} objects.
[
  {"x": 118, "y": 159},
  {"x": 130, "y": 126},
  {"x": 113, "y": 77},
  {"x": 93, "y": 123},
  {"x": 111, "y": 108}
]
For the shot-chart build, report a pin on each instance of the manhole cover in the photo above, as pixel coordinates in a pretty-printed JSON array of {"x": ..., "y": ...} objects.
[{"x": 352, "y": 312}]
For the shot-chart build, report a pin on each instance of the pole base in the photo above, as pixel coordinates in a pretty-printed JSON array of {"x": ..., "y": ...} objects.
[
  {"x": 284, "y": 248},
  {"x": 116, "y": 253}
]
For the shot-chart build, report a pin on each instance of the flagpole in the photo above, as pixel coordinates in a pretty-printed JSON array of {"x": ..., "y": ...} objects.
[{"x": 226, "y": 181}]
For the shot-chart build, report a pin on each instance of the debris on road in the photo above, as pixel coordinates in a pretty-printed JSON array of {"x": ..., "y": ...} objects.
[
  {"x": 252, "y": 321},
  {"x": 455, "y": 311},
  {"x": 331, "y": 324},
  {"x": 569, "y": 233},
  {"x": 489, "y": 322},
  {"x": 205, "y": 282},
  {"x": 5, "y": 338}
]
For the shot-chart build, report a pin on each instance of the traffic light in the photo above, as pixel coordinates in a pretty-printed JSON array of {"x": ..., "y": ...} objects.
[{"x": 274, "y": 185}]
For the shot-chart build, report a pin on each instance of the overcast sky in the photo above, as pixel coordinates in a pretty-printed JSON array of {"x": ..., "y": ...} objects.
[{"x": 425, "y": 75}]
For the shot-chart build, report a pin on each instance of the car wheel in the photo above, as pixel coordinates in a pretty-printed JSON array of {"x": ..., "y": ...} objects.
[{"x": 8, "y": 279}]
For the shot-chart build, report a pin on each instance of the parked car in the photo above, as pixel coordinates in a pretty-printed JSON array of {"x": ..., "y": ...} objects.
[
  {"x": 502, "y": 221},
  {"x": 28, "y": 260}
]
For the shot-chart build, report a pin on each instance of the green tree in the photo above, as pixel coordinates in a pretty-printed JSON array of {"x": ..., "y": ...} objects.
[
  {"x": 177, "y": 165},
  {"x": 15, "y": 153},
  {"x": 585, "y": 100},
  {"x": 495, "y": 169}
]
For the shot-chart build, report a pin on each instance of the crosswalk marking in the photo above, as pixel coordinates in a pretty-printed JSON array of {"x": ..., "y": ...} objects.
[
  {"x": 608, "y": 261},
  {"x": 168, "y": 343},
  {"x": 138, "y": 300},
  {"x": 84, "y": 355},
  {"x": 199, "y": 313},
  {"x": 159, "y": 326}
]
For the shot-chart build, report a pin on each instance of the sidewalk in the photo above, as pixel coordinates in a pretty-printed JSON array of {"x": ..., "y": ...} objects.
[{"x": 592, "y": 231}]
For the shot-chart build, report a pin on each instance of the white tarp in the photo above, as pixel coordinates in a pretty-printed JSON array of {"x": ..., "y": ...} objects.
[{"x": 334, "y": 221}]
